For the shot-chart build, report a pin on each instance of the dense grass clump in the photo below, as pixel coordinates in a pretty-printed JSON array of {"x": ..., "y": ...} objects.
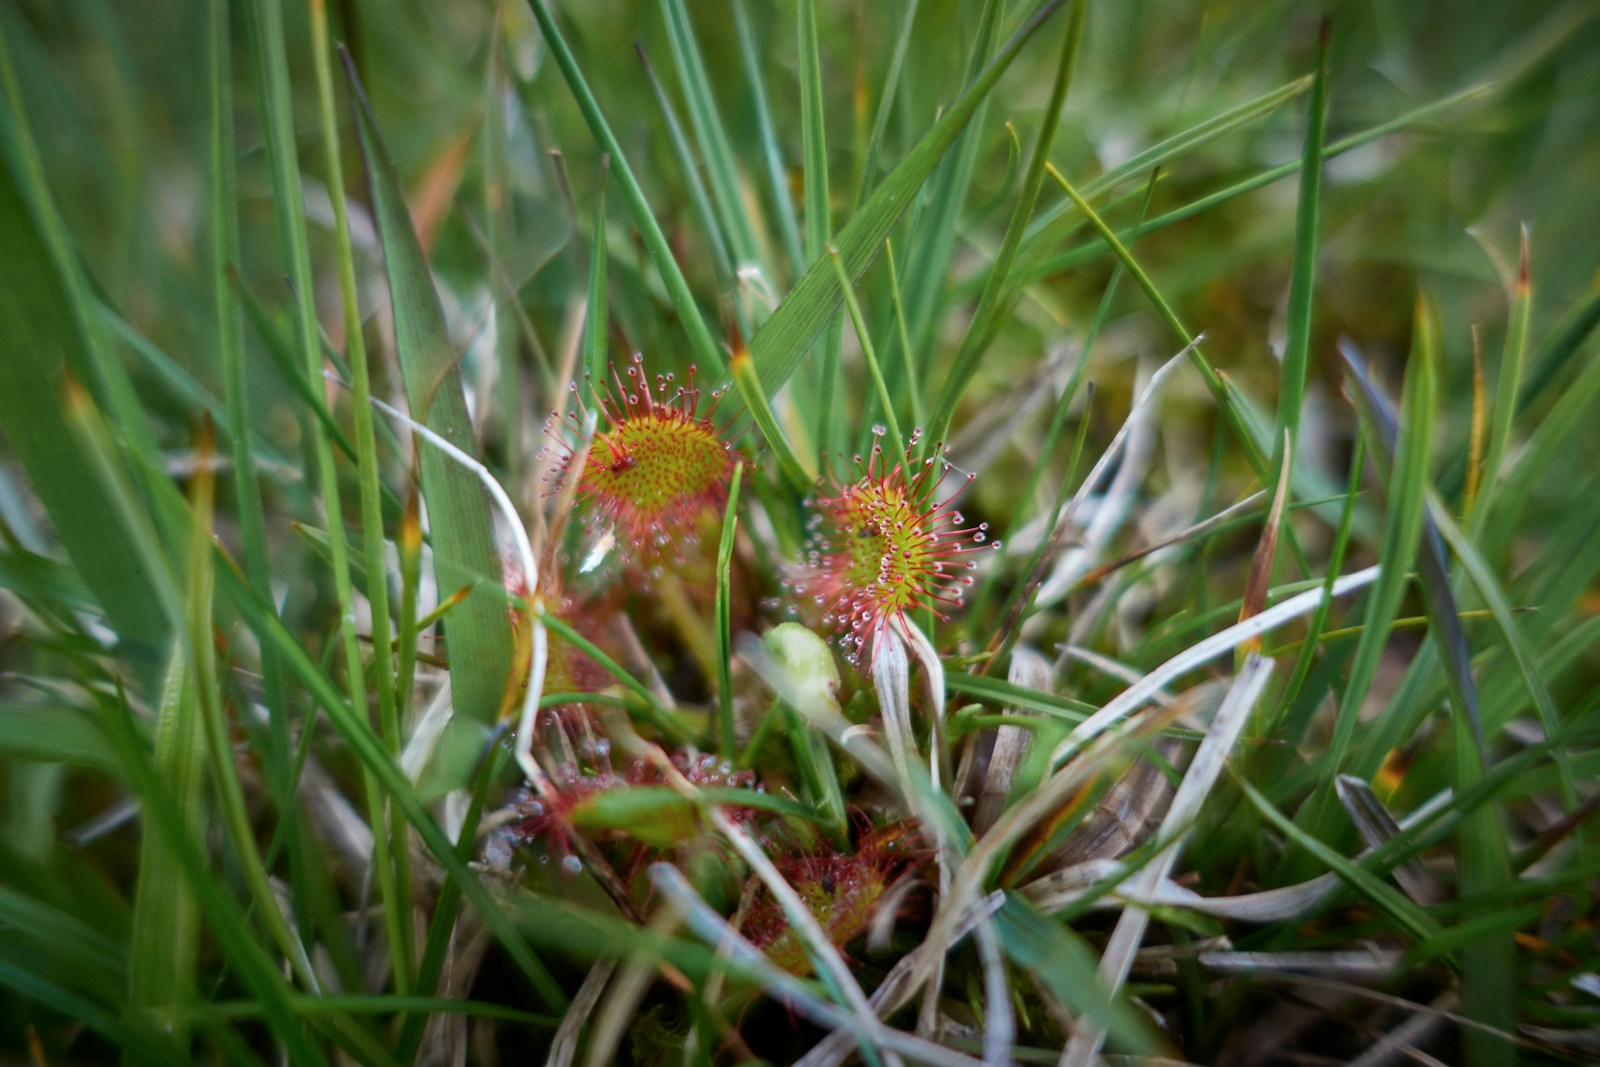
[{"x": 938, "y": 533}]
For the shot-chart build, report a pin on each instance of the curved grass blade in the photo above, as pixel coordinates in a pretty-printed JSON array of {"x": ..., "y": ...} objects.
[
  {"x": 721, "y": 261},
  {"x": 709, "y": 131},
  {"x": 1302, "y": 277},
  {"x": 41, "y": 340},
  {"x": 730, "y": 523},
  {"x": 463, "y": 532},
  {"x": 934, "y": 234},
  {"x": 778, "y": 346},
  {"x": 772, "y": 158},
  {"x": 165, "y": 951},
  {"x": 1402, "y": 532},
  {"x": 997, "y": 289},
  {"x": 886, "y": 101},
  {"x": 391, "y": 844},
  {"x": 1096, "y": 247},
  {"x": 701, "y": 343},
  {"x": 52, "y": 735}
]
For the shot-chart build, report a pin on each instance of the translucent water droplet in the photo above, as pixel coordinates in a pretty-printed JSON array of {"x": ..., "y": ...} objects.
[{"x": 572, "y": 865}]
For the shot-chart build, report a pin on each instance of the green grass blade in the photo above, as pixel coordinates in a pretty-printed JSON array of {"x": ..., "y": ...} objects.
[
  {"x": 1402, "y": 531},
  {"x": 464, "y": 549},
  {"x": 1393, "y": 903},
  {"x": 720, "y": 258},
  {"x": 1224, "y": 396},
  {"x": 929, "y": 258},
  {"x": 1000, "y": 691},
  {"x": 993, "y": 302},
  {"x": 778, "y": 346},
  {"x": 1077, "y": 256},
  {"x": 1488, "y": 966},
  {"x": 225, "y": 256},
  {"x": 771, "y": 155},
  {"x": 391, "y": 841},
  {"x": 1319, "y": 620},
  {"x": 1302, "y": 276},
  {"x": 864, "y": 337},
  {"x": 594, "y": 327},
  {"x": 701, "y": 344},
  {"x": 1505, "y": 403},
  {"x": 1432, "y": 565},
  {"x": 366, "y": 746},
  {"x": 1483, "y": 580},
  {"x": 224, "y": 917},
  {"x": 1556, "y": 351},
  {"x": 90, "y": 357},
  {"x": 165, "y": 950},
  {"x": 704, "y": 117},
  {"x": 1060, "y": 961},
  {"x": 1043, "y": 231},
  {"x": 818, "y": 211},
  {"x": 724, "y": 621},
  {"x": 52, "y": 735},
  {"x": 886, "y": 102},
  {"x": 41, "y": 341},
  {"x": 754, "y": 392},
  {"x": 813, "y": 138}
]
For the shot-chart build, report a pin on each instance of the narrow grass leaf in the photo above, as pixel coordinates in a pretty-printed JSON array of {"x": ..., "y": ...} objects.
[
  {"x": 1445, "y": 617},
  {"x": 41, "y": 341},
  {"x": 721, "y": 260},
  {"x": 391, "y": 852},
  {"x": 53, "y": 735},
  {"x": 771, "y": 154},
  {"x": 1505, "y": 402},
  {"x": 997, "y": 290},
  {"x": 701, "y": 343},
  {"x": 934, "y": 231},
  {"x": 595, "y": 321},
  {"x": 164, "y": 953},
  {"x": 1390, "y": 901},
  {"x": 464, "y": 551},
  {"x": 886, "y": 102},
  {"x": 724, "y": 616},
  {"x": 778, "y": 346},
  {"x": 1164, "y": 152},
  {"x": 1077, "y": 256},
  {"x": 1302, "y": 277},
  {"x": 1064, "y": 966},
  {"x": 706, "y": 119},
  {"x": 1402, "y": 532}
]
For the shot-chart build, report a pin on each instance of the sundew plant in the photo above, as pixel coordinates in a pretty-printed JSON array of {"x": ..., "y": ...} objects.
[{"x": 934, "y": 532}]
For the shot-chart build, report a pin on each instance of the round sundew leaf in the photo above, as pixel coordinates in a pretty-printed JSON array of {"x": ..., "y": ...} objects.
[
  {"x": 657, "y": 465},
  {"x": 888, "y": 544}
]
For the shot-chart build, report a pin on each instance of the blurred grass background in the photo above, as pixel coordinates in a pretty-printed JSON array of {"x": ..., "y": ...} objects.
[{"x": 500, "y": 172}]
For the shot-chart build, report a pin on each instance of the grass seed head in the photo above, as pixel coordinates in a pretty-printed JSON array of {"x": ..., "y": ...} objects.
[
  {"x": 658, "y": 465},
  {"x": 888, "y": 543}
]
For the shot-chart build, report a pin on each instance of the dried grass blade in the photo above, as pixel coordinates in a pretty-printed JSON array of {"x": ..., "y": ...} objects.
[{"x": 1204, "y": 770}]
